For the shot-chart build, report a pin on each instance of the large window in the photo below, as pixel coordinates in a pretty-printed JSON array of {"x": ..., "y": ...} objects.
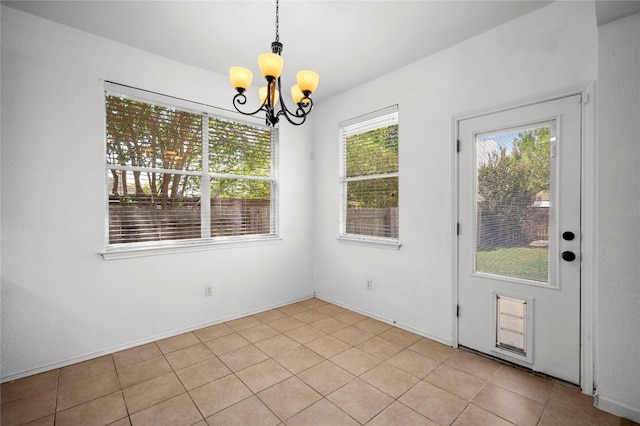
[
  {"x": 369, "y": 177},
  {"x": 181, "y": 175}
]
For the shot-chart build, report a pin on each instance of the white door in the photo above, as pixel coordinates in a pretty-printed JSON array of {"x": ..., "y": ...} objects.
[{"x": 519, "y": 235}]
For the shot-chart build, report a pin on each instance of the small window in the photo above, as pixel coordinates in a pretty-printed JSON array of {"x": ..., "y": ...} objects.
[
  {"x": 369, "y": 177},
  {"x": 177, "y": 176}
]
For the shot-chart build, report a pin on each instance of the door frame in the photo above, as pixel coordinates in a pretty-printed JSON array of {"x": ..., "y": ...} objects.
[{"x": 588, "y": 271}]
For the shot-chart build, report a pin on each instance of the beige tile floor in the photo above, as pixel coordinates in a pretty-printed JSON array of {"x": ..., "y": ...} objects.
[{"x": 308, "y": 363}]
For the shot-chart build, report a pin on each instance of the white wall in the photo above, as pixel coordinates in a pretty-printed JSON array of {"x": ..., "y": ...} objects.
[
  {"x": 551, "y": 49},
  {"x": 61, "y": 302},
  {"x": 618, "y": 215}
]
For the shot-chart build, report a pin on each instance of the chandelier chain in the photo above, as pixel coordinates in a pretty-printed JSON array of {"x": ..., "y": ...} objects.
[{"x": 277, "y": 20}]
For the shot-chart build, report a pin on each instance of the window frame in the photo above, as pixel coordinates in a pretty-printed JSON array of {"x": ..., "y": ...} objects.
[
  {"x": 139, "y": 249},
  {"x": 367, "y": 123}
]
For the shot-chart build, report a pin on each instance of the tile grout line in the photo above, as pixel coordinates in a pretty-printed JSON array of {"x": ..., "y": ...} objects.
[
  {"x": 55, "y": 405},
  {"x": 120, "y": 389}
]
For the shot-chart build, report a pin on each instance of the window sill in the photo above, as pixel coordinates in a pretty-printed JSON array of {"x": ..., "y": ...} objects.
[
  {"x": 378, "y": 243},
  {"x": 126, "y": 251}
]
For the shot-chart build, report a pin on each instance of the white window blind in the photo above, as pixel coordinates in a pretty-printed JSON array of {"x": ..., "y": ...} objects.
[
  {"x": 177, "y": 175},
  {"x": 369, "y": 176}
]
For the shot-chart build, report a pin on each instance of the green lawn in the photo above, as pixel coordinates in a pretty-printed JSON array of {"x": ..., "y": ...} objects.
[{"x": 529, "y": 263}]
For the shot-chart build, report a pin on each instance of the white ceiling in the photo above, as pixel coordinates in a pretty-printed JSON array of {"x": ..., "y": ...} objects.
[{"x": 346, "y": 42}]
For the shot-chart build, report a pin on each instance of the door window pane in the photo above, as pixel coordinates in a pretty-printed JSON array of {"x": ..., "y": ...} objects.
[{"x": 512, "y": 198}]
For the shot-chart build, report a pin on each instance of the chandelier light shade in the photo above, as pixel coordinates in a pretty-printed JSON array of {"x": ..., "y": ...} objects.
[
  {"x": 307, "y": 81},
  {"x": 271, "y": 65},
  {"x": 240, "y": 78},
  {"x": 264, "y": 92},
  {"x": 296, "y": 94}
]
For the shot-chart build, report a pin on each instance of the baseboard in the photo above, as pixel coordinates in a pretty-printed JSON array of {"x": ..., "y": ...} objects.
[
  {"x": 133, "y": 344},
  {"x": 617, "y": 408},
  {"x": 417, "y": 331}
]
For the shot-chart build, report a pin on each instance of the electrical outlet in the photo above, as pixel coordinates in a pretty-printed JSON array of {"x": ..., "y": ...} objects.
[
  {"x": 369, "y": 284},
  {"x": 208, "y": 292}
]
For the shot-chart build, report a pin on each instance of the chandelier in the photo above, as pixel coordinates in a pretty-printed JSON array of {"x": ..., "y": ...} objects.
[{"x": 271, "y": 64}]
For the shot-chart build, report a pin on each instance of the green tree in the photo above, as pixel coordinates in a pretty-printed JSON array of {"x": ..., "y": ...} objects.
[
  {"x": 509, "y": 181},
  {"x": 374, "y": 152},
  {"x": 140, "y": 134},
  {"x": 239, "y": 149},
  {"x": 152, "y": 136}
]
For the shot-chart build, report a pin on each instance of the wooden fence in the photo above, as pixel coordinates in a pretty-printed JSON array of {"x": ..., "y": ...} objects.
[
  {"x": 144, "y": 220},
  {"x": 504, "y": 230},
  {"x": 379, "y": 222}
]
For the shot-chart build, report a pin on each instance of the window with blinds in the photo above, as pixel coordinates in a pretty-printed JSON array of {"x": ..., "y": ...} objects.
[
  {"x": 369, "y": 176},
  {"x": 176, "y": 174}
]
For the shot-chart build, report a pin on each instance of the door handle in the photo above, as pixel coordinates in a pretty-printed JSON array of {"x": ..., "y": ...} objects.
[{"x": 569, "y": 256}]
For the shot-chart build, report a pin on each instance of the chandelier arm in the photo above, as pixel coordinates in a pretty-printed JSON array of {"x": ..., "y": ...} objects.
[
  {"x": 241, "y": 99},
  {"x": 305, "y": 110},
  {"x": 300, "y": 113},
  {"x": 290, "y": 119}
]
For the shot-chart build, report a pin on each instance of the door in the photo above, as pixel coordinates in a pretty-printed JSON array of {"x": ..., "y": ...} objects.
[{"x": 519, "y": 235}]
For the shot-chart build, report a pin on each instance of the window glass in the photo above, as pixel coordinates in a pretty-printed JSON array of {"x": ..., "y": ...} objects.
[
  {"x": 141, "y": 134},
  {"x": 158, "y": 190},
  {"x": 239, "y": 148},
  {"x": 369, "y": 176},
  {"x": 513, "y": 203}
]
